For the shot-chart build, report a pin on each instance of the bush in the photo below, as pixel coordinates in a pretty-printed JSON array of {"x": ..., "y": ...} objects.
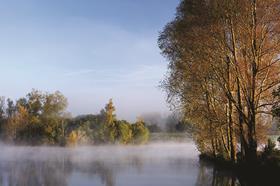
[
  {"x": 124, "y": 132},
  {"x": 140, "y": 133}
]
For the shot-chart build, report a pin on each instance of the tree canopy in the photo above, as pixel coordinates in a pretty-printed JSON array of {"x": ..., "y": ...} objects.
[
  {"x": 41, "y": 118},
  {"x": 223, "y": 67}
]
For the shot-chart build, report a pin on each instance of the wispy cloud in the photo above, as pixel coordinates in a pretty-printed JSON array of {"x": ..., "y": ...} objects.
[
  {"x": 137, "y": 75},
  {"x": 80, "y": 72}
]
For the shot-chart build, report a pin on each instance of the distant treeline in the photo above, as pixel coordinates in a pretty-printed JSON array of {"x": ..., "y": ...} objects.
[
  {"x": 172, "y": 123},
  {"x": 41, "y": 118}
]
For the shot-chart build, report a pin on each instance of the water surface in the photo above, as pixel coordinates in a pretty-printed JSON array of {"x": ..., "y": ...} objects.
[{"x": 161, "y": 164}]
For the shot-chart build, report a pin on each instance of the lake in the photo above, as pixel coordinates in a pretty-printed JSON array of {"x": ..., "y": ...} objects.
[{"x": 160, "y": 164}]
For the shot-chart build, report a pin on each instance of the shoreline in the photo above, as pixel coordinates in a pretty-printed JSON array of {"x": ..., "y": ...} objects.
[{"x": 260, "y": 173}]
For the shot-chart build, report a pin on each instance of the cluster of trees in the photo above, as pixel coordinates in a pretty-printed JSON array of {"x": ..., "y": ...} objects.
[
  {"x": 224, "y": 66},
  {"x": 41, "y": 118},
  {"x": 105, "y": 128},
  {"x": 176, "y": 124},
  {"x": 155, "y": 122},
  {"x": 37, "y": 118},
  {"x": 172, "y": 123}
]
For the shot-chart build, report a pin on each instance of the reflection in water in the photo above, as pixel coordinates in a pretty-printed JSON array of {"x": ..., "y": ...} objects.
[
  {"x": 209, "y": 175},
  {"x": 51, "y": 172},
  {"x": 31, "y": 173},
  {"x": 157, "y": 165}
]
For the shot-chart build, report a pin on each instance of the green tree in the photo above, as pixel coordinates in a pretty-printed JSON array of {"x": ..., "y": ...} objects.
[
  {"x": 37, "y": 118},
  {"x": 124, "y": 131},
  {"x": 109, "y": 113},
  {"x": 22, "y": 102},
  {"x": 52, "y": 116},
  {"x": 40, "y": 118},
  {"x": 110, "y": 122},
  {"x": 35, "y": 102},
  {"x": 140, "y": 132},
  {"x": 11, "y": 109}
]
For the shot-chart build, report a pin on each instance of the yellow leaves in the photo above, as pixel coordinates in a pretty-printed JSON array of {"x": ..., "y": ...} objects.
[
  {"x": 48, "y": 130},
  {"x": 34, "y": 120},
  {"x": 139, "y": 119},
  {"x": 17, "y": 122},
  {"x": 110, "y": 109},
  {"x": 73, "y": 138},
  {"x": 22, "y": 113}
]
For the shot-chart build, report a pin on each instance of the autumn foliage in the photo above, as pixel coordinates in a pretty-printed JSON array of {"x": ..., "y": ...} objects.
[{"x": 223, "y": 67}]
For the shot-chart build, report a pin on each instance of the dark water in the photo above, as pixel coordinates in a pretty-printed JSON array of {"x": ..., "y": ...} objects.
[{"x": 169, "y": 164}]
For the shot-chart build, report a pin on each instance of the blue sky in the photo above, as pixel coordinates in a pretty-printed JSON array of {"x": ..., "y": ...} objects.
[{"x": 90, "y": 50}]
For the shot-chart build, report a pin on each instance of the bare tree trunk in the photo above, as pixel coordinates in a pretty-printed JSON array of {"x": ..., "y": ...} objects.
[
  {"x": 243, "y": 143},
  {"x": 231, "y": 135},
  {"x": 225, "y": 144},
  {"x": 213, "y": 147},
  {"x": 252, "y": 156},
  {"x": 230, "y": 121}
]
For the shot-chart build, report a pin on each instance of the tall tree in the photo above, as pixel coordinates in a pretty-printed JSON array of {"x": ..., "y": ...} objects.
[
  {"x": 110, "y": 122},
  {"x": 52, "y": 116},
  {"x": 11, "y": 108},
  {"x": 224, "y": 63},
  {"x": 109, "y": 111}
]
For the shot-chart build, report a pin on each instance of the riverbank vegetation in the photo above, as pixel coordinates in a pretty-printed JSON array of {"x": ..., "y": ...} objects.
[
  {"x": 223, "y": 75},
  {"x": 41, "y": 118}
]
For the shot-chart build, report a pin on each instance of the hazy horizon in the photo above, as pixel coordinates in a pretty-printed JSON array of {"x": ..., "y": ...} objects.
[{"x": 90, "y": 51}]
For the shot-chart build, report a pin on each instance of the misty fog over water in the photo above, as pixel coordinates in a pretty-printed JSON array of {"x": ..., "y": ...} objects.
[
  {"x": 159, "y": 164},
  {"x": 155, "y": 164}
]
